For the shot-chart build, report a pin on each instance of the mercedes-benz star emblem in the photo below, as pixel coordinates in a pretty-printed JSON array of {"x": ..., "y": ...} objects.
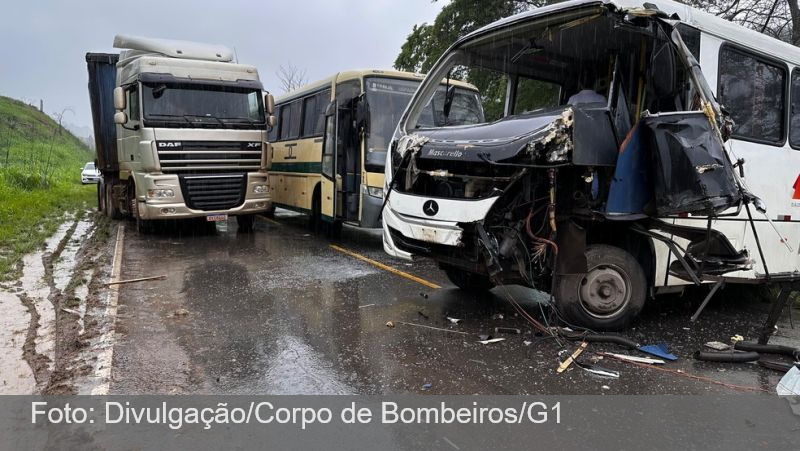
[{"x": 430, "y": 208}]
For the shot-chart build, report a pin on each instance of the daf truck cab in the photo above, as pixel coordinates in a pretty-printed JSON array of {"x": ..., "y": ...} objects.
[{"x": 180, "y": 130}]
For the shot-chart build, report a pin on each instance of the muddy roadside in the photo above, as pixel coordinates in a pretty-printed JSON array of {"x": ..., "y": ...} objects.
[{"x": 53, "y": 318}]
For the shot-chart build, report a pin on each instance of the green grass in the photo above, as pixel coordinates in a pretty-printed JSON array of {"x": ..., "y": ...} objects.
[{"x": 40, "y": 165}]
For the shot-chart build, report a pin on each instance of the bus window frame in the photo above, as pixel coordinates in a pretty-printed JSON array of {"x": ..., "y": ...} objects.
[{"x": 727, "y": 45}]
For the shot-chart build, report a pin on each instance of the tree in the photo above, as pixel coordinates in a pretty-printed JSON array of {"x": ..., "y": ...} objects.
[
  {"x": 291, "y": 77},
  {"x": 777, "y": 18}
]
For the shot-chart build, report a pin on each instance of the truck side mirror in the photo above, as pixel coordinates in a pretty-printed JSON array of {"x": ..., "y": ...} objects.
[
  {"x": 120, "y": 118},
  {"x": 120, "y": 102},
  {"x": 269, "y": 104},
  {"x": 272, "y": 120}
]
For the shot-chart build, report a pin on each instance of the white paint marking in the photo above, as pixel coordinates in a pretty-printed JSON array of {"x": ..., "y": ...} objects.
[{"x": 105, "y": 357}]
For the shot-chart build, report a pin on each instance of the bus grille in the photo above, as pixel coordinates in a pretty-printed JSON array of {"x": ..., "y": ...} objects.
[
  {"x": 198, "y": 156},
  {"x": 213, "y": 192}
]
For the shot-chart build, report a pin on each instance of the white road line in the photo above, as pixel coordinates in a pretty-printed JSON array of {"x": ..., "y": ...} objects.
[{"x": 105, "y": 357}]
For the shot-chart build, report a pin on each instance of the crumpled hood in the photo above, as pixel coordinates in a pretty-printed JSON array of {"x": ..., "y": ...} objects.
[{"x": 502, "y": 139}]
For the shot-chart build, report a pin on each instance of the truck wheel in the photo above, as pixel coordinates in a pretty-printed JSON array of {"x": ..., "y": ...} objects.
[
  {"x": 142, "y": 225},
  {"x": 101, "y": 197},
  {"x": 112, "y": 211},
  {"x": 466, "y": 280},
  {"x": 609, "y": 296},
  {"x": 246, "y": 223}
]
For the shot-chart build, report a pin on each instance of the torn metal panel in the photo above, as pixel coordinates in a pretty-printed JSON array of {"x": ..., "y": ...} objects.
[{"x": 692, "y": 174}]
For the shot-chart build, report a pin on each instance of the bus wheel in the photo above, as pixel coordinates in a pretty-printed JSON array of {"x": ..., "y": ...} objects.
[
  {"x": 609, "y": 296},
  {"x": 246, "y": 223},
  {"x": 315, "y": 220},
  {"x": 466, "y": 280}
]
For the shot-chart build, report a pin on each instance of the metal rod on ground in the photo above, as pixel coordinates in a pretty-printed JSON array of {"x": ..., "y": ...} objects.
[
  {"x": 141, "y": 279},
  {"x": 775, "y": 310},
  {"x": 711, "y": 294}
]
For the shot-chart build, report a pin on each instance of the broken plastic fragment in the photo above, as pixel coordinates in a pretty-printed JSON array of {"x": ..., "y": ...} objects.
[
  {"x": 491, "y": 340},
  {"x": 454, "y": 320},
  {"x": 717, "y": 346}
]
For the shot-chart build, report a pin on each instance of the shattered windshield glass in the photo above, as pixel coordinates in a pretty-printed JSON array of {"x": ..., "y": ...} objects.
[
  {"x": 198, "y": 105},
  {"x": 388, "y": 99}
]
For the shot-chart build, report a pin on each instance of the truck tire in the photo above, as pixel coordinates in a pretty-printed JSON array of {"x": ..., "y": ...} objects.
[
  {"x": 112, "y": 210},
  {"x": 246, "y": 223},
  {"x": 609, "y": 296},
  {"x": 142, "y": 225},
  {"x": 466, "y": 280},
  {"x": 101, "y": 197}
]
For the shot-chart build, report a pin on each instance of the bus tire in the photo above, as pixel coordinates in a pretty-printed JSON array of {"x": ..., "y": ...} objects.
[
  {"x": 315, "y": 219},
  {"x": 246, "y": 223},
  {"x": 609, "y": 296},
  {"x": 468, "y": 281}
]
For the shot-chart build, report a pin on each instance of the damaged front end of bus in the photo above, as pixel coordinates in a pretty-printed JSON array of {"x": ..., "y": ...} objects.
[{"x": 602, "y": 127}]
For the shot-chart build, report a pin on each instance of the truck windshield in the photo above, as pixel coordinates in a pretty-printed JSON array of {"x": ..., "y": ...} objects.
[
  {"x": 201, "y": 106},
  {"x": 388, "y": 98}
]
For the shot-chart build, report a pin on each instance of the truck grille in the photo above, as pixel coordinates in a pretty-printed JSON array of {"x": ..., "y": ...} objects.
[
  {"x": 183, "y": 156},
  {"x": 213, "y": 192}
]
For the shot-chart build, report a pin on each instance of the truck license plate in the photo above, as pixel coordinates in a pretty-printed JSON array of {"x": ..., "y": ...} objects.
[{"x": 216, "y": 218}]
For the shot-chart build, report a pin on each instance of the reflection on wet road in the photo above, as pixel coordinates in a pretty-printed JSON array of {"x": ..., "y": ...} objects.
[{"x": 281, "y": 312}]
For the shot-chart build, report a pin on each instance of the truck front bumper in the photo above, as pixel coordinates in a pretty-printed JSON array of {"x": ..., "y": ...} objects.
[{"x": 176, "y": 208}]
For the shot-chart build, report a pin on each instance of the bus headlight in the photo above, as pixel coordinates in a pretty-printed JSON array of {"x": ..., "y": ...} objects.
[
  {"x": 375, "y": 191},
  {"x": 260, "y": 189},
  {"x": 160, "y": 193}
]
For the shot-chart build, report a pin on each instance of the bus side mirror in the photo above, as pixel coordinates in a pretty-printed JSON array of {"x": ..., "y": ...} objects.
[
  {"x": 269, "y": 104},
  {"x": 120, "y": 118},
  {"x": 119, "y": 99},
  {"x": 330, "y": 110},
  {"x": 362, "y": 114}
]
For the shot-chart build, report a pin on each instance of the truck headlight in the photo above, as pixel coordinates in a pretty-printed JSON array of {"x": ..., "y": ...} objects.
[
  {"x": 260, "y": 189},
  {"x": 375, "y": 191},
  {"x": 160, "y": 193}
]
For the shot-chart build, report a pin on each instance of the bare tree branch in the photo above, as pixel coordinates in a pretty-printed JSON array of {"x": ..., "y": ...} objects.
[{"x": 291, "y": 77}]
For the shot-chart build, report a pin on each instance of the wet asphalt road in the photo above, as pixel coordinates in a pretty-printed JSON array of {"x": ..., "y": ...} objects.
[{"x": 281, "y": 312}]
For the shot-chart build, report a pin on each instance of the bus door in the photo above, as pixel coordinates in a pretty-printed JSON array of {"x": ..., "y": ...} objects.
[
  {"x": 348, "y": 152},
  {"x": 328, "y": 190}
]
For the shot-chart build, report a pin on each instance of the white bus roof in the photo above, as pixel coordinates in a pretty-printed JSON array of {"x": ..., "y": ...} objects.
[{"x": 703, "y": 21}]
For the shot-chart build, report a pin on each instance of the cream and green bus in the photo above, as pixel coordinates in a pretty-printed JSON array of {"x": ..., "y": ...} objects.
[{"x": 329, "y": 145}]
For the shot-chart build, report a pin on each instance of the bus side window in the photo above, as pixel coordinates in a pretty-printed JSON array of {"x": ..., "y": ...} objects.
[
  {"x": 794, "y": 121},
  {"x": 309, "y": 118},
  {"x": 753, "y": 90},
  {"x": 284, "y": 120}
]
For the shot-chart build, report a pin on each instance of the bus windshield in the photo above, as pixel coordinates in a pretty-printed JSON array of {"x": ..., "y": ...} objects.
[
  {"x": 202, "y": 106},
  {"x": 388, "y": 98}
]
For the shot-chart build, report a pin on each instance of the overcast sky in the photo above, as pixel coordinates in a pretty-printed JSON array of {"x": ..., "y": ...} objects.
[{"x": 43, "y": 42}]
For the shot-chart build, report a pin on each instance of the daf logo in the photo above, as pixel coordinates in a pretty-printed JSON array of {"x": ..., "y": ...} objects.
[
  {"x": 164, "y": 144},
  {"x": 430, "y": 208},
  {"x": 254, "y": 145}
]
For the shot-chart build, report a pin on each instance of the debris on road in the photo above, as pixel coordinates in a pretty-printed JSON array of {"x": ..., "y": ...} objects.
[
  {"x": 419, "y": 312},
  {"x": 389, "y": 324},
  {"x": 726, "y": 356},
  {"x": 179, "y": 312},
  {"x": 659, "y": 350},
  {"x": 392, "y": 324},
  {"x": 426, "y": 386},
  {"x": 717, "y": 346},
  {"x": 566, "y": 363},
  {"x": 498, "y": 316},
  {"x": 736, "y": 338},
  {"x": 454, "y": 320},
  {"x": 71, "y": 311},
  {"x": 631, "y": 358},
  {"x": 507, "y": 330},
  {"x": 527, "y": 342},
  {"x": 789, "y": 385},
  {"x": 490, "y": 341},
  {"x": 424, "y": 295},
  {"x": 140, "y": 279},
  {"x": 365, "y": 306}
]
